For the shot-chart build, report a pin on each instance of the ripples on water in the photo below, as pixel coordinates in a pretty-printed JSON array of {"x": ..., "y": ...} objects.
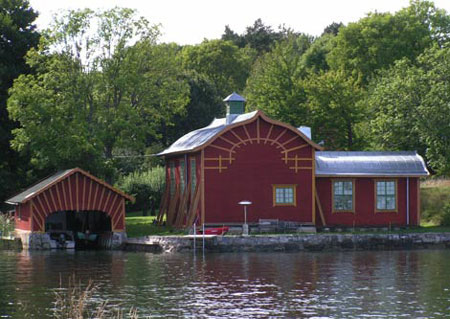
[{"x": 398, "y": 284}]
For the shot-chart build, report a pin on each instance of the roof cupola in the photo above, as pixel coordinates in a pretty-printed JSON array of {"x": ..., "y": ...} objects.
[{"x": 235, "y": 106}]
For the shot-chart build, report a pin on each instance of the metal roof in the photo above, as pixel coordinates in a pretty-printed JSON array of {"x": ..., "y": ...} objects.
[
  {"x": 234, "y": 97},
  {"x": 336, "y": 163},
  {"x": 19, "y": 198},
  {"x": 41, "y": 186},
  {"x": 197, "y": 138}
]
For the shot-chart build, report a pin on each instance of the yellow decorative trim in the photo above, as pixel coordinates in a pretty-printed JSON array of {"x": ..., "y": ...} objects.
[
  {"x": 286, "y": 186},
  {"x": 338, "y": 211},
  {"x": 376, "y": 195}
]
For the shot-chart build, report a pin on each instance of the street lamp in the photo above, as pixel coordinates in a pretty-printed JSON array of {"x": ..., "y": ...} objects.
[{"x": 245, "y": 203}]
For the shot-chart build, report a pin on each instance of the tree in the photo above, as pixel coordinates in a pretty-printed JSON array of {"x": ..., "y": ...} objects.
[
  {"x": 333, "y": 28},
  {"x": 411, "y": 110},
  {"x": 204, "y": 105},
  {"x": 315, "y": 58},
  {"x": 393, "y": 100},
  {"x": 147, "y": 187},
  {"x": 276, "y": 83},
  {"x": 379, "y": 39},
  {"x": 333, "y": 101},
  {"x": 17, "y": 35},
  {"x": 222, "y": 62},
  {"x": 101, "y": 85}
]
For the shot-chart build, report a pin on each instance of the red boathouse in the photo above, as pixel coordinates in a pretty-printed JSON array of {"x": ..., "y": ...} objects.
[
  {"x": 286, "y": 176},
  {"x": 69, "y": 202}
]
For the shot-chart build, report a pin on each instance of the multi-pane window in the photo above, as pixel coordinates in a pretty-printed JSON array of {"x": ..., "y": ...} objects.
[
  {"x": 193, "y": 176},
  {"x": 386, "y": 195},
  {"x": 343, "y": 196},
  {"x": 172, "y": 179},
  {"x": 182, "y": 176},
  {"x": 284, "y": 195}
]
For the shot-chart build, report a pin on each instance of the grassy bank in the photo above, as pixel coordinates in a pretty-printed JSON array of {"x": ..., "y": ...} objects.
[
  {"x": 138, "y": 226},
  {"x": 435, "y": 194}
]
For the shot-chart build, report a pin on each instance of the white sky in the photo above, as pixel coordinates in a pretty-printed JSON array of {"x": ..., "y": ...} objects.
[{"x": 191, "y": 21}]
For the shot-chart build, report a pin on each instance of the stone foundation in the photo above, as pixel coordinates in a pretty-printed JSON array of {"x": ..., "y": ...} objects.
[
  {"x": 42, "y": 241},
  {"x": 314, "y": 242}
]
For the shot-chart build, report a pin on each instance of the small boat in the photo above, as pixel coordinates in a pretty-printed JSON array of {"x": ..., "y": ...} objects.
[{"x": 216, "y": 230}]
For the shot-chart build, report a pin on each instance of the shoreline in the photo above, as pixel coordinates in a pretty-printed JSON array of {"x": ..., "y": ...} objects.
[{"x": 289, "y": 242}]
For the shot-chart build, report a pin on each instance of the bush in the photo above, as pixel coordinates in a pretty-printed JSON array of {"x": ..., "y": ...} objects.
[
  {"x": 6, "y": 224},
  {"x": 445, "y": 220},
  {"x": 147, "y": 187}
]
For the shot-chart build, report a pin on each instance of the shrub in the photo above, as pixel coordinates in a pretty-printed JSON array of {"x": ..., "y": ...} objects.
[
  {"x": 445, "y": 220},
  {"x": 6, "y": 224},
  {"x": 147, "y": 187}
]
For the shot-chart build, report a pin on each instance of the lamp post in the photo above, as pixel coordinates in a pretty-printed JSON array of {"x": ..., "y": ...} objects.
[{"x": 245, "y": 203}]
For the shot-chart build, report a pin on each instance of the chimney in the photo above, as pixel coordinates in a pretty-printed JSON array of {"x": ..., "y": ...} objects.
[{"x": 235, "y": 106}]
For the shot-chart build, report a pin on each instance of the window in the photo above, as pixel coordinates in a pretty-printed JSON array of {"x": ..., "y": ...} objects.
[
  {"x": 172, "y": 179},
  {"x": 343, "y": 196},
  {"x": 193, "y": 176},
  {"x": 386, "y": 194},
  {"x": 182, "y": 175},
  {"x": 284, "y": 195}
]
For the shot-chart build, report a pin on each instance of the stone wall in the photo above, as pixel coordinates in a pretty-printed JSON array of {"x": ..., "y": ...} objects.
[{"x": 313, "y": 242}]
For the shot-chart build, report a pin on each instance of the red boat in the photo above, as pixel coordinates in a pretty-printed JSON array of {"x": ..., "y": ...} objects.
[{"x": 215, "y": 231}]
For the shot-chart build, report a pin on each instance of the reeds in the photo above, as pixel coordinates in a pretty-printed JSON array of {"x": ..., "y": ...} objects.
[{"x": 78, "y": 302}]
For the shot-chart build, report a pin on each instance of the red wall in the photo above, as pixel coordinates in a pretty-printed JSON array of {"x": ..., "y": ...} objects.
[
  {"x": 250, "y": 176},
  {"x": 364, "y": 196}
]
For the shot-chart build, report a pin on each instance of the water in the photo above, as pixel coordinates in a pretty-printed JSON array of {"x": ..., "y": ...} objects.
[{"x": 390, "y": 284}]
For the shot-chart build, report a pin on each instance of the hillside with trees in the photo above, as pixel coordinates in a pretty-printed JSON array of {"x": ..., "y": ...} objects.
[{"x": 100, "y": 91}]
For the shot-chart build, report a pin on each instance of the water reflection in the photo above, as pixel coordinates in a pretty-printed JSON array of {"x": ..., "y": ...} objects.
[{"x": 393, "y": 284}]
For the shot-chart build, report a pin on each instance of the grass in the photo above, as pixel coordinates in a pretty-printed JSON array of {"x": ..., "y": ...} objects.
[
  {"x": 434, "y": 195},
  {"x": 138, "y": 226}
]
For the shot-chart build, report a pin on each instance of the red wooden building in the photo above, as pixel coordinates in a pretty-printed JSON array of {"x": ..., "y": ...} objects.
[
  {"x": 286, "y": 176},
  {"x": 70, "y": 201}
]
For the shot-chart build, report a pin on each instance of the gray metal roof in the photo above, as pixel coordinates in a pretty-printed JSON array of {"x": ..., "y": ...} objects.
[
  {"x": 337, "y": 163},
  {"x": 19, "y": 198},
  {"x": 197, "y": 138},
  {"x": 234, "y": 97}
]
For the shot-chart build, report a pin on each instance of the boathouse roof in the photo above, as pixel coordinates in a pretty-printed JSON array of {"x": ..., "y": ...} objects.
[
  {"x": 336, "y": 163},
  {"x": 48, "y": 182}
]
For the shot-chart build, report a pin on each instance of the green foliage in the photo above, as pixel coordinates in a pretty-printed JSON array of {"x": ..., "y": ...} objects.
[
  {"x": 315, "y": 58},
  {"x": 18, "y": 35},
  {"x": 101, "y": 86},
  {"x": 276, "y": 84},
  {"x": 379, "y": 39},
  {"x": 393, "y": 100},
  {"x": 333, "y": 102},
  {"x": 7, "y": 224},
  {"x": 410, "y": 108},
  {"x": 433, "y": 200},
  {"x": 147, "y": 188},
  {"x": 445, "y": 221},
  {"x": 222, "y": 62}
]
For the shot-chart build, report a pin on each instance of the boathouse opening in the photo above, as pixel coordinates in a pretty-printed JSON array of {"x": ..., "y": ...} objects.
[{"x": 86, "y": 229}]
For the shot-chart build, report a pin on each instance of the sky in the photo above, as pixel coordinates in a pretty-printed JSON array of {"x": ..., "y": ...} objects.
[{"x": 192, "y": 21}]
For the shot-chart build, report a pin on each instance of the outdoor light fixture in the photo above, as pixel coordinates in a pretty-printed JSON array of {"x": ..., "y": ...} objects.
[{"x": 245, "y": 203}]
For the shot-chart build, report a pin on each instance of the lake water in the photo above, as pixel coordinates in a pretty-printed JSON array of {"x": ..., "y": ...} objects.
[{"x": 387, "y": 284}]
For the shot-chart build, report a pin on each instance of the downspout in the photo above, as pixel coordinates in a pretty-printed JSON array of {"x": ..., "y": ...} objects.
[{"x": 407, "y": 201}]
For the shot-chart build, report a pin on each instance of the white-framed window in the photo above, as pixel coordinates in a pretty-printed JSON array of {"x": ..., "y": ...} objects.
[
  {"x": 343, "y": 196},
  {"x": 386, "y": 195},
  {"x": 284, "y": 195}
]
